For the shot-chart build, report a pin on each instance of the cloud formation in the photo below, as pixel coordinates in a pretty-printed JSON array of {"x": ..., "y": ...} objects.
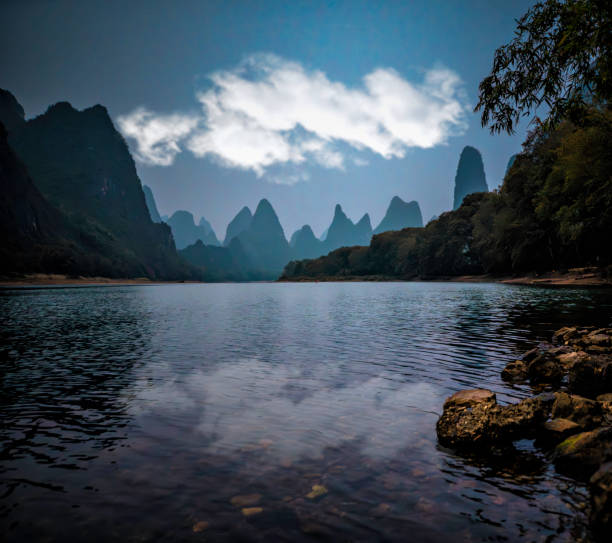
[
  {"x": 157, "y": 136},
  {"x": 270, "y": 111}
]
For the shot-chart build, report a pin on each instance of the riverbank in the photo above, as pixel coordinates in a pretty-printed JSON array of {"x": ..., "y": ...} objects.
[
  {"x": 576, "y": 277},
  {"x": 569, "y": 416},
  {"x": 49, "y": 279}
]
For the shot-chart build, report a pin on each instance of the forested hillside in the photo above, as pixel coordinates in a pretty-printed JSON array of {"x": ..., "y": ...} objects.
[{"x": 553, "y": 211}]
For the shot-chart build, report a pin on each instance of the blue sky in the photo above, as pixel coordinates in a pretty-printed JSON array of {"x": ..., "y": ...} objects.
[{"x": 158, "y": 57}]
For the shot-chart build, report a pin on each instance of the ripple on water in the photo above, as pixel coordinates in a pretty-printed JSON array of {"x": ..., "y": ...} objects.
[{"x": 140, "y": 412}]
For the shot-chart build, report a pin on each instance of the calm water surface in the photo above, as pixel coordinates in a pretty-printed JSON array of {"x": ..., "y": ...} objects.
[{"x": 134, "y": 413}]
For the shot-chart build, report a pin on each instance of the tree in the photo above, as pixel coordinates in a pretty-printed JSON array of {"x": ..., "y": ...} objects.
[{"x": 560, "y": 57}]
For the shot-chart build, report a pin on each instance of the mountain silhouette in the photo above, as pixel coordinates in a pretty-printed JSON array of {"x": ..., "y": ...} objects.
[
  {"x": 82, "y": 167},
  {"x": 343, "y": 233},
  {"x": 363, "y": 230},
  {"x": 186, "y": 232},
  {"x": 264, "y": 240},
  {"x": 207, "y": 227},
  {"x": 400, "y": 215},
  {"x": 229, "y": 263},
  {"x": 305, "y": 244},
  {"x": 238, "y": 224},
  {"x": 470, "y": 177}
]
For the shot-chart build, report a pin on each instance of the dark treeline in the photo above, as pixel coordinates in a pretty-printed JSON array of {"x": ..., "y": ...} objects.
[{"x": 552, "y": 212}]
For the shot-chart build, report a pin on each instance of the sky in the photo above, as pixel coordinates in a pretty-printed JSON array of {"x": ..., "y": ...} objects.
[{"x": 307, "y": 104}]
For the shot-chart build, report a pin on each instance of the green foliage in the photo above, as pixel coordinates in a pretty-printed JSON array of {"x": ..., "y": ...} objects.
[
  {"x": 560, "y": 57},
  {"x": 553, "y": 211}
]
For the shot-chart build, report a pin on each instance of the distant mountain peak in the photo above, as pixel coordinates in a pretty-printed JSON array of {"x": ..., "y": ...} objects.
[
  {"x": 238, "y": 224},
  {"x": 264, "y": 239},
  {"x": 305, "y": 244},
  {"x": 60, "y": 107},
  {"x": 400, "y": 215},
  {"x": 263, "y": 205},
  {"x": 364, "y": 222},
  {"x": 187, "y": 233},
  {"x": 470, "y": 176}
]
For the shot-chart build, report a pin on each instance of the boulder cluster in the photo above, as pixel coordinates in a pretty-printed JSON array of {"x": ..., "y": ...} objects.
[{"x": 571, "y": 416}]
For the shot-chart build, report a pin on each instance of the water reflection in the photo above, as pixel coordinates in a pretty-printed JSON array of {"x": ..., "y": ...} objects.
[{"x": 137, "y": 412}]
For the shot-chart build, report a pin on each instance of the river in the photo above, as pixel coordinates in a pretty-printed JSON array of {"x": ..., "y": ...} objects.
[{"x": 271, "y": 412}]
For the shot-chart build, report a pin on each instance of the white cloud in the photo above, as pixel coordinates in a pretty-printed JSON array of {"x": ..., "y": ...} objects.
[
  {"x": 271, "y": 111},
  {"x": 157, "y": 136}
]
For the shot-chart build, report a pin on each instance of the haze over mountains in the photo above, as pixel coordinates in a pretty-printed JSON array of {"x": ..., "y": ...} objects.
[
  {"x": 264, "y": 249},
  {"x": 72, "y": 203}
]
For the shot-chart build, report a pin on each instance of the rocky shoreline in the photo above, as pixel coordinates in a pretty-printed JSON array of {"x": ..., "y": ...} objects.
[{"x": 569, "y": 416}]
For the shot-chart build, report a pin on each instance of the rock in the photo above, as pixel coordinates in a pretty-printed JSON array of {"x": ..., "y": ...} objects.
[
  {"x": 600, "y": 487},
  {"x": 591, "y": 376},
  {"x": 584, "y": 412},
  {"x": 200, "y": 526},
  {"x": 565, "y": 334},
  {"x": 559, "y": 429},
  {"x": 250, "y": 511},
  {"x": 567, "y": 360},
  {"x": 516, "y": 421},
  {"x": 515, "y": 371},
  {"x": 381, "y": 510},
  {"x": 426, "y": 506},
  {"x": 473, "y": 417},
  {"x": 470, "y": 398},
  {"x": 544, "y": 369},
  {"x": 465, "y": 419},
  {"x": 317, "y": 491},
  {"x": 246, "y": 499},
  {"x": 581, "y": 455},
  {"x": 603, "y": 340},
  {"x": 530, "y": 355},
  {"x": 596, "y": 342}
]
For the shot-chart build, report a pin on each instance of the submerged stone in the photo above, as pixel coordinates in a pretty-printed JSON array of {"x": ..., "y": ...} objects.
[
  {"x": 317, "y": 490},
  {"x": 200, "y": 526},
  {"x": 246, "y": 499},
  {"x": 250, "y": 511}
]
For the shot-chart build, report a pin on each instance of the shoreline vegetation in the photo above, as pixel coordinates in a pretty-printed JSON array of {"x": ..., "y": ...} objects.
[
  {"x": 568, "y": 415},
  {"x": 573, "y": 278}
]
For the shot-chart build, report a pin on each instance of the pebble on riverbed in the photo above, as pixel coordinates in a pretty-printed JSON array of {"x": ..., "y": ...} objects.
[{"x": 575, "y": 420}]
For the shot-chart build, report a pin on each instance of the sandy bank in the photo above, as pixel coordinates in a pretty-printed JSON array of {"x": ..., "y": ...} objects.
[{"x": 42, "y": 279}]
